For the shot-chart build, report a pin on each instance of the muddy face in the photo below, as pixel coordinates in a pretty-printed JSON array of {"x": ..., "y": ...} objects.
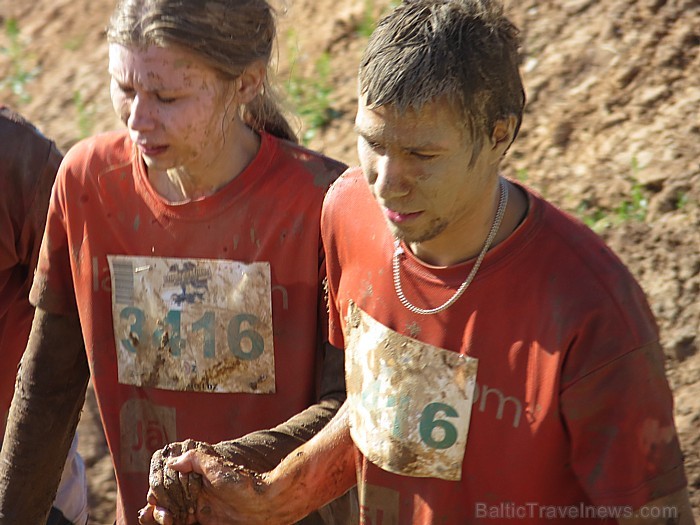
[
  {"x": 418, "y": 165},
  {"x": 174, "y": 105}
]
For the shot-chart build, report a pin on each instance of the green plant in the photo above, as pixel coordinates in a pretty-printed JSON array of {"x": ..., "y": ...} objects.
[
  {"x": 311, "y": 98},
  {"x": 367, "y": 23},
  {"x": 636, "y": 207},
  {"x": 74, "y": 43},
  {"x": 85, "y": 115},
  {"x": 593, "y": 217},
  {"x": 521, "y": 174},
  {"x": 681, "y": 200},
  {"x": 21, "y": 72}
]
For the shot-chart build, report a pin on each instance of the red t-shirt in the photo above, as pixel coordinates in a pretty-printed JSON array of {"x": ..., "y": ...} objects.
[
  {"x": 28, "y": 164},
  {"x": 571, "y": 408},
  {"x": 103, "y": 206}
]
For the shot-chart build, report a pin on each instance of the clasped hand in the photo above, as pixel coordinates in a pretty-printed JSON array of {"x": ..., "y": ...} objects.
[{"x": 194, "y": 483}]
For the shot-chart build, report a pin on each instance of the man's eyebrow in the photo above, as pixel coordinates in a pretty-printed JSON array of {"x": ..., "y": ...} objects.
[
  {"x": 366, "y": 133},
  {"x": 358, "y": 130}
]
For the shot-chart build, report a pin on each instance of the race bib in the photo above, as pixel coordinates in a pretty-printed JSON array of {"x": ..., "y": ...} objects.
[
  {"x": 193, "y": 324},
  {"x": 410, "y": 402}
]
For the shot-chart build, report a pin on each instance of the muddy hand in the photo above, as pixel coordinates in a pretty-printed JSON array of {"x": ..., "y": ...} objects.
[
  {"x": 171, "y": 497},
  {"x": 153, "y": 515},
  {"x": 230, "y": 493}
]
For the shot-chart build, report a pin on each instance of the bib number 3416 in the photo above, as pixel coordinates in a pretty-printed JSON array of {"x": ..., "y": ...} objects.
[
  {"x": 193, "y": 324},
  {"x": 242, "y": 339}
]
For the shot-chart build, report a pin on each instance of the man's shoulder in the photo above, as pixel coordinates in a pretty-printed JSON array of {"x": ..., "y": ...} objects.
[
  {"x": 323, "y": 169},
  {"x": 350, "y": 185},
  {"x": 349, "y": 209},
  {"x": 576, "y": 238},
  {"x": 586, "y": 264},
  {"x": 103, "y": 145}
]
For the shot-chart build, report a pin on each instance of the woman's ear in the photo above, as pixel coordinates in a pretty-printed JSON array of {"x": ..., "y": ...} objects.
[
  {"x": 503, "y": 133},
  {"x": 250, "y": 82}
]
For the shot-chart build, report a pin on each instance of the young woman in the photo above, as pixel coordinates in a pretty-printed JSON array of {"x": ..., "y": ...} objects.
[{"x": 181, "y": 266}]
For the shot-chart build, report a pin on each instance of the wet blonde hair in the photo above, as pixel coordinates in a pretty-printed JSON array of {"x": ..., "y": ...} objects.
[{"x": 228, "y": 35}]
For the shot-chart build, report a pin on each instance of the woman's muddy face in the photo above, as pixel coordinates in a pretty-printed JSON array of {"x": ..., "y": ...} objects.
[{"x": 174, "y": 105}]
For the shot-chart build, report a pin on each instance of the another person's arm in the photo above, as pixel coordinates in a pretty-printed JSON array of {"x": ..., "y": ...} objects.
[
  {"x": 263, "y": 450},
  {"x": 258, "y": 451},
  {"x": 317, "y": 472},
  {"x": 49, "y": 396},
  {"x": 673, "y": 509}
]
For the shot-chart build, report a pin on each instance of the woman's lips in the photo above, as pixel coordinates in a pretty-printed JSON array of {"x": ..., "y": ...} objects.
[{"x": 152, "y": 151}]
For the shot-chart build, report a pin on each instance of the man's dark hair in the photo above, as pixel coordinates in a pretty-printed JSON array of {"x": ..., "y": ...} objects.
[{"x": 465, "y": 50}]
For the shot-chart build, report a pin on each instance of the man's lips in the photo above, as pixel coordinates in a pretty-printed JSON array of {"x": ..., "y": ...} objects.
[{"x": 399, "y": 217}]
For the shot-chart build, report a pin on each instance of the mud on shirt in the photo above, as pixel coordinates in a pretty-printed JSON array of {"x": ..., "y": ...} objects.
[
  {"x": 207, "y": 324},
  {"x": 570, "y": 408}
]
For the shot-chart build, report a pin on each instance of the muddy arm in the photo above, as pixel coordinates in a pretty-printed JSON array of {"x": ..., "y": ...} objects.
[
  {"x": 317, "y": 472},
  {"x": 258, "y": 451},
  {"x": 49, "y": 395},
  {"x": 673, "y": 509},
  {"x": 263, "y": 450}
]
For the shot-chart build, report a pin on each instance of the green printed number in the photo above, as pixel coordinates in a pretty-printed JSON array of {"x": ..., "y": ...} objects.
[
  {"x": 136, "y": 317},
  {"x": 206, "y": 324},
  {"x": 171, "y": 326},
  {"x": 236, "y": 336},
  {"x": 428, "y": 423},
  {"x": 243, "y": 341}
]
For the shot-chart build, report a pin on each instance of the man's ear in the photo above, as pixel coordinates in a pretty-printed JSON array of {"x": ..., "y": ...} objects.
[
  {"x": 250, "y": 82},
  {"x": 503, "y": 133}
]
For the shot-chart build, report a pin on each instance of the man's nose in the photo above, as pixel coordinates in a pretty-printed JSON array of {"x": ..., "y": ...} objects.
[{"x": 392, "y": 178}]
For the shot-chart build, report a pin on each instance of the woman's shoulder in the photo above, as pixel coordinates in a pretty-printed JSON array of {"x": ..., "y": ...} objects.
[
  {"x": 95, "y": 155},
  {"x": 105, "y": 147}
]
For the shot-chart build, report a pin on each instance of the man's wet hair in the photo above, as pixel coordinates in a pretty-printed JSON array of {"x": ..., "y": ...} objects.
[{"x": 464, "y": 50}]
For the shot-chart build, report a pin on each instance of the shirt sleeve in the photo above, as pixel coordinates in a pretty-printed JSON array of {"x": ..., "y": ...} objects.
[
  {"x": 52, "y": 289},
  {"x": 625, "y": 450},
  {"x": 28, "y": 165},
  {"x": 335, "y": 331}
]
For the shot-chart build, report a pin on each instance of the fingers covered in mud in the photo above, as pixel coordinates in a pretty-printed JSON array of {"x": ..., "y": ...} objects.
[
  {"x": 229, "y": 493},
  {"x": 172, "y": 496},
  {"x": 194, "y": 482}
]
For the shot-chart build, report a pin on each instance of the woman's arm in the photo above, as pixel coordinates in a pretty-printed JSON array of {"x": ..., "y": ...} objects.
[{"x": 49, "y": 395}]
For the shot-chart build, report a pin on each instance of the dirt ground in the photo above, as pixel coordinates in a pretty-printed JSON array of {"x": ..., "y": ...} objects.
[{"x": 611, "y": 133}]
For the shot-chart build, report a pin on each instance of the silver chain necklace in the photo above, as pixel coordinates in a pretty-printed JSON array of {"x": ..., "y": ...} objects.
[{"x": 502, "y": 203}]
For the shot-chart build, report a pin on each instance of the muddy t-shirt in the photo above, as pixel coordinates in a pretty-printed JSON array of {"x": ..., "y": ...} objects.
[
  {"x": 571, "y": 415},
  {"x": 28, "y": 164},
  {"x": 201, "y": 320}
]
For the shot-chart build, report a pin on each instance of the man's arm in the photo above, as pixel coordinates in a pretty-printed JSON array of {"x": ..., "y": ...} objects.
[
  {"x": 319, "y": 471},
  {"x": 673, "y": 509},
  {"x": 49, "y": 394},
  {"x": 263, "y": 450},
  {"x": 259, "y": 451}
]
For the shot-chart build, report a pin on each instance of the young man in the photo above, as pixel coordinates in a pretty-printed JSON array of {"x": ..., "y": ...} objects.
[
  {"x": 501, "y": 362},
  {"x": 28, "y": 165}
]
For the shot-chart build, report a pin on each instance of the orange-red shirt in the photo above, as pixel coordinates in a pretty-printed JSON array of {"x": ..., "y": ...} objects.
[
  {"x": 103, "y": 205},
  {"x": 28, "y": 165},
  {"x": 571, "y": 409}
]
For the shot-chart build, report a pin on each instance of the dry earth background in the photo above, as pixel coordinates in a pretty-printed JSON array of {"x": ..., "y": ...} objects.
[{"x": 611, "y": 133}]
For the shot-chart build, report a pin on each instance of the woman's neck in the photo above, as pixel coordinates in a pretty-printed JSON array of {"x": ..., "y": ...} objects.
[{"x": 182, "y": 184}]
